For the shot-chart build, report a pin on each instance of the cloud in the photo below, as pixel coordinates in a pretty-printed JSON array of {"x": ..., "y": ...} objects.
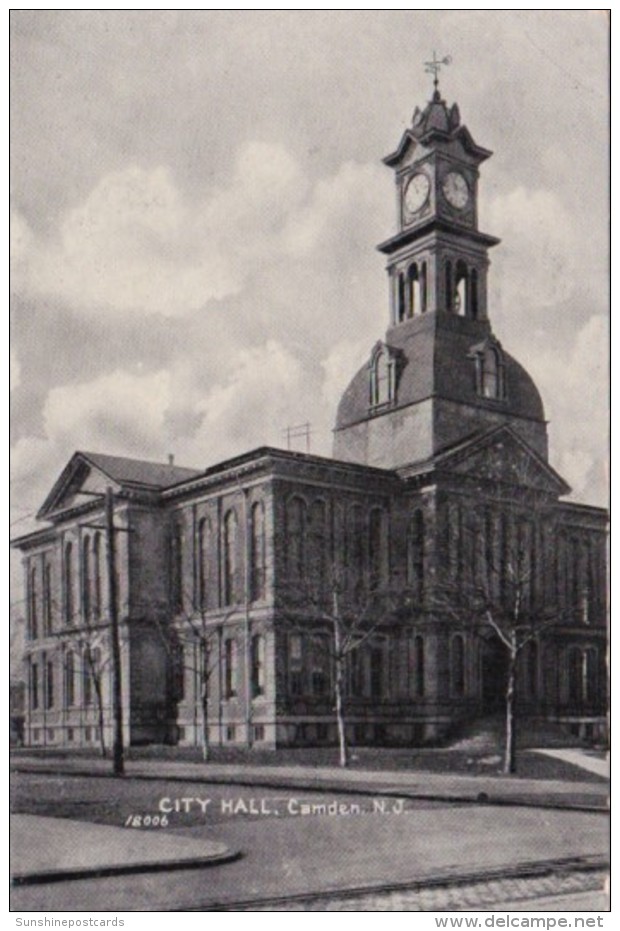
[
  {"x": 574, "y": 385},
  {"x": 137, "y": 244},
  {"x": 14, "y": 370},
  {"x": 540, "y": 238}
]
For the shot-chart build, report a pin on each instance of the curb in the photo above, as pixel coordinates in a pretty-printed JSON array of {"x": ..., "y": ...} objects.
[
  {"x": 481, "y": 798},
  {"x": 100, "y": 872}
]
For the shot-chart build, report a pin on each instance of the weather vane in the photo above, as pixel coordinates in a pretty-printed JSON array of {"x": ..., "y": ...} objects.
[{"x": 433, "y": 67}]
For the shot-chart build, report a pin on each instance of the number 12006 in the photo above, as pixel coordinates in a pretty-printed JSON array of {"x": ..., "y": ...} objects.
[{"x": 146, "y": 821}]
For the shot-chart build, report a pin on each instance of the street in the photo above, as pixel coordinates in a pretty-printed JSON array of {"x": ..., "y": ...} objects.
[{"x": 294, "y": 843}]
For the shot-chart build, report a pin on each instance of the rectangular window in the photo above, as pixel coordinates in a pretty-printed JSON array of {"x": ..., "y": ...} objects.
[
  {"x": 295, "y": 659},
  {"x": 295, "y": 646},
  {"x": 50, "y": 733},
  {"x": 70, "y": 735},
  {"x": 259, "y": 732},
  {"x": 376, "y": 673},
  {"x": 319, "y": 682},
  {"x": 258, "y": 665},
  {"x": 34, "y": 684},
  {"x": 87, "y": 733},
  {"x": 36, "y": 734},
  {"x": 49, "y": 685},
  {"x": 178, "y": 673},
  {"x": 356, "y": 673},
  {"x": 88, "y": 683},
  {"x": 230, "y": 733},
  {"x": 322, "y": 731},
  {"x": 230, "y": 668}
]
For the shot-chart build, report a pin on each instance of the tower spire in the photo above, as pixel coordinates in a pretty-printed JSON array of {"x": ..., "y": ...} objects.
[{"x": 433, "y": 67}]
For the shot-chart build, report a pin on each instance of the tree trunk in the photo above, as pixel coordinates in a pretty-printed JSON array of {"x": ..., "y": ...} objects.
[
  {"x": 339, "y": 682},
  {"x": 342, "y": 734},
  {"x": 510, "y": 750},
  {"x": 204, "y": 704},
  {"x": 97, "y": 683}
]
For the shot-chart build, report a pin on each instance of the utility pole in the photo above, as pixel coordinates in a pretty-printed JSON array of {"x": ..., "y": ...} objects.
[{"x": 117, "y": 703}]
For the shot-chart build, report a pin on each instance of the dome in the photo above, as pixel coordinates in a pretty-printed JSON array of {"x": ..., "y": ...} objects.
[{"x": 435, "y": 359}]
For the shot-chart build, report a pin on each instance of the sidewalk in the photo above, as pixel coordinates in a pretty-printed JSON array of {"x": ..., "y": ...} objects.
[
  {"x": 497, "y": 790},
  {"x": 584, "y": 759},
  {"x": 53, "y": 849}
]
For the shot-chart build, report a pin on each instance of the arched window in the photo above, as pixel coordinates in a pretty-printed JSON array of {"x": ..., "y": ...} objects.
[
  {"x": 381, "y": 380},
  {"x": 204, "y": 554},
  {"x": 97, "y": 557},
  {"x": 47, "y": 598},
  {"x": 400, "y": 298},
  {"x": 68, "y": 583},
  {"x": 318, "y": 543},
  {"x": 574, "y": 604},
  {"x": 355, "y": 549},
  {"x": 32, "y": 604},
  {"x": 176, "y": 566},
  {"x": 423, "y": 292},
  {"x": 231, "y": 568},
  {"x": 461, "y": 284},
  {"x": 449, "y": 295},
  {"x": 415, "y": 293},
  {"x": 457, "y": 666},
  {"x": 418, "y": 665},
  {"x": 490, "y": 373},
  {"x": 378, "y": 558},
  {"x": 454, "y": 541},
  {"x": 473, "y": 294},
  {"x": 257, "y": 556},
  {"x": 86, "y": 605},
  {"x": 525, "y": 562},
  {"x": 258, "y": 665},
  {"x": 415, "y": 554},
  {"x": 69, "y": 679},
  {"x": 295, "y": 537}
]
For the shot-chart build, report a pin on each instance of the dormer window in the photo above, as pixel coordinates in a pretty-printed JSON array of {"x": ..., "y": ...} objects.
[
  {"x": 382, "y": 387},
  {"x": 490, "y": 374},
  {"x": 489, "y": 362}
]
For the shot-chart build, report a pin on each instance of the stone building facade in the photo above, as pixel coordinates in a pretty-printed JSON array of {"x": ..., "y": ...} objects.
[{"x": 438, "y": 510}]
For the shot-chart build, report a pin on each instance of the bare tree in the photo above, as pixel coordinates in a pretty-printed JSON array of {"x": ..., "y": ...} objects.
[
  {"x": 194, "y": 643},
  {"x": 97, "y": 660},
  {"x": 342, "y": 622},
  {"x": 490, "y": 583}
]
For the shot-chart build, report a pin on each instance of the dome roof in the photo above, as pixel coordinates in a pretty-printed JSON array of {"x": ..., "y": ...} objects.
[{"x": 435, "y": 360}]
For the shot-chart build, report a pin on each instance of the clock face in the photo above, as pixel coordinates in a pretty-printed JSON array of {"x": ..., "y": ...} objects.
[
  {"x": 455, "y": 189},
  {"x": 416, "y": 192}
]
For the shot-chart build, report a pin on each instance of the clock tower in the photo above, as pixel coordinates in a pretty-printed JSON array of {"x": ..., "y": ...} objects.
[
  {"x": 437, "y": 261},
  {"x": 440, "y": 375}
]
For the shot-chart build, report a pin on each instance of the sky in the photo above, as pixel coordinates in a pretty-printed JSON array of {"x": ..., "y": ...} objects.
[{"x": 196, "y": 197}]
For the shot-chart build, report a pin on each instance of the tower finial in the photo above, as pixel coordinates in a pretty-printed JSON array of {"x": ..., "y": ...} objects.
[{"x": 433, "y": 67}]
